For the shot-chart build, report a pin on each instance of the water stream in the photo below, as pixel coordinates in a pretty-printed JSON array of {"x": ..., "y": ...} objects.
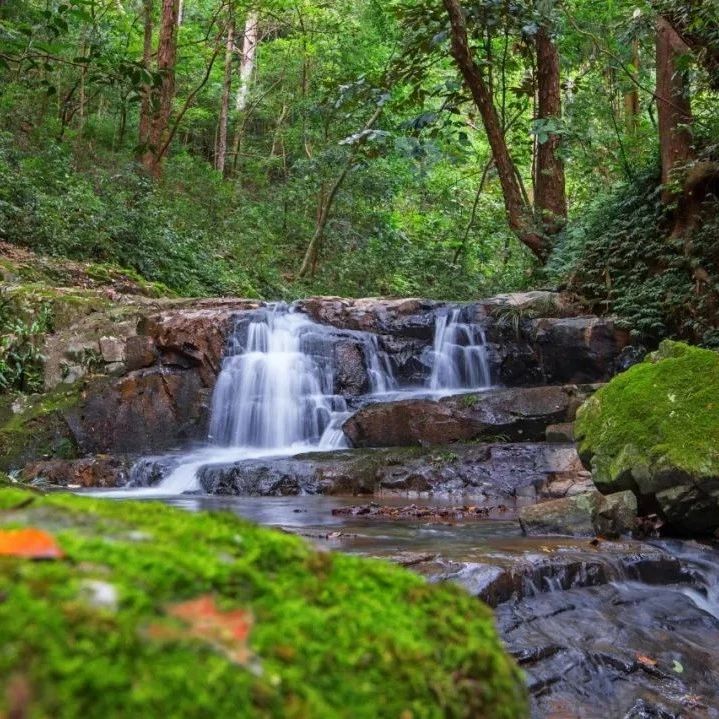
[{"x": 275, "y": 394}]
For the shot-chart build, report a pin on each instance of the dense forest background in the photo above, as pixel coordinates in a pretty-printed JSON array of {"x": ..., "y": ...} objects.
[{"x": 412, "y": 147}]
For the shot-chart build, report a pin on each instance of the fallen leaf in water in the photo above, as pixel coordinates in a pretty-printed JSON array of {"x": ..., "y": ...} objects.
[
  {"x": 29, "y": 543},
  {"x": 678, "y": 667},
  {"x": 646, "y": 661},
  {"x": 227, "y": 631}
]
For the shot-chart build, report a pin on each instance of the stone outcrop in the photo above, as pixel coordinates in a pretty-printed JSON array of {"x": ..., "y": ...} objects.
[
  {"x": 654, "y": 430},
  {"x": 97, "y": 471},
  {"x": 519, "y": 414},
  {"x": 491, "y": 474}
]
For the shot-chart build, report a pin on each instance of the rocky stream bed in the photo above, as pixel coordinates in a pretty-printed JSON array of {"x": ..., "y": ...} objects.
[{"x": 463, "y": 472}]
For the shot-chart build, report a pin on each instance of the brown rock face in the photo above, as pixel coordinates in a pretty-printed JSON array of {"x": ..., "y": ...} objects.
[
  {"x": 516, "y": 414},
  {"x": 147, "y": 410},
  {"x": 102, "y": 471}
]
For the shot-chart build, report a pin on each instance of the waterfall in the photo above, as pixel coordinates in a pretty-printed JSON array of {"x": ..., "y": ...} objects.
[
  {"x": 275, "y": 390},
  {"x": 459, "y": 355},
  {"x": 275, "y": 394}
]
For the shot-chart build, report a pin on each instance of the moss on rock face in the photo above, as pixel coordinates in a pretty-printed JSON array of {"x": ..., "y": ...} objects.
[
  {"x": 655, "y": 430},
  {"x": 332, "y": 635}
]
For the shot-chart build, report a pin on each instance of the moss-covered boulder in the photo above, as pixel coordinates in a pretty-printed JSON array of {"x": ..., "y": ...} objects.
[
  {"x": 655, "y": 430},
  {"x": 156, "y": 612}
]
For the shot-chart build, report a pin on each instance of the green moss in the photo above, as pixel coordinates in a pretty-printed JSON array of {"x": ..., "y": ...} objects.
[
  {"x": 662, "y": 413},
  {"x": 334, "y": 636},
  {"x": 40, "y": 429}
]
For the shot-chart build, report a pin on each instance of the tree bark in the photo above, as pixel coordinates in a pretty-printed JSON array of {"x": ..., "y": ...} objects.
[
  {"x": 550, "y": 196},
  {"x": 519, "y": 216},
  {"x": 673, "y": 106},
  {"x": 247, "y": 67},
  {"x": 162, "y": 103},
  {"x": 221, "y": 153},
  {"x": 631, "y": 96},
  {"x": 145, "y": 113}
]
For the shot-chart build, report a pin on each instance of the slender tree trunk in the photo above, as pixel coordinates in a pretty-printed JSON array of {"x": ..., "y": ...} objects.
[
  {"x": 145, "y": 103},
  {"x": 673, "y": 106},
  {"x": 221, "y": 153},
  {"x": 309, "y": 262},
  {"x": 519, "y": 215},
  {"x": 550, "y": 197},
  {"x": 247, "y": 67},
  {"x": 631, "y": 97},
  {"x": 162, "y": 109}
]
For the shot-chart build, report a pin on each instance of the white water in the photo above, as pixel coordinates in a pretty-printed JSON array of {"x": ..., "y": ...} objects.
[
  {"x": 459, "y": 355},
  {"x": 275, "y": 396}
]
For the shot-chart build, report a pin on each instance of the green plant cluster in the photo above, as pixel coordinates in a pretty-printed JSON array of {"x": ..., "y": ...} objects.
[
  {"x": 332, "y": 636},
  {"x": 621, "y": 257},
  {"x": 21, "y": 338}
]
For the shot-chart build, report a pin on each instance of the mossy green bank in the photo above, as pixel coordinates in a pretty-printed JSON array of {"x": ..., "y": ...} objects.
[{"x": 334, "y": 636}]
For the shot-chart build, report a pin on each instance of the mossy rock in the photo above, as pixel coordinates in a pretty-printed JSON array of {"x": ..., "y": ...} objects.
[
  {"x": 332, "y": 636},
  {"x": 39, "y": 429},
  {"x": 655, "y": 430}
]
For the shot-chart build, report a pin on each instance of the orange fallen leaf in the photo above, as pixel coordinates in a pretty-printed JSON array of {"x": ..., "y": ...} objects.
[
  {"x": 29, "y": 543},
  {"x": 646, "y": 661},
  {"x": 225, "y": 630}
]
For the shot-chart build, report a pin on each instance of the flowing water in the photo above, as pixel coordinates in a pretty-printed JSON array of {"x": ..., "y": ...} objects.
[
  {"x": 275, "y": 394},
  {"x": 606, "y": 630}
]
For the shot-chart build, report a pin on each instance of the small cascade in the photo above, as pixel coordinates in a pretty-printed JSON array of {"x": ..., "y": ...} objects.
[
  {"x": 459, "y": 354},
  {"x": 379, "y": 367},
  {"x": 275, "y": 389}
]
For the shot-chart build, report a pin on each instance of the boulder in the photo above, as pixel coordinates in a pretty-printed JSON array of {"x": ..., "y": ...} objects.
[
  {"x": 560, "y": 432},
  {"x": 582, "y": 515},
  {"x": 654, "y": 430},
  {"x": 516, "y": 414}
]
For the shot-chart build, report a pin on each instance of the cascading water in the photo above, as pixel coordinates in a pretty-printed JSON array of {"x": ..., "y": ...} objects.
[
  {"x": 276, "y": 390},
  {"x": 275, "y": 394},
  {"x": 459, "y": 354}
]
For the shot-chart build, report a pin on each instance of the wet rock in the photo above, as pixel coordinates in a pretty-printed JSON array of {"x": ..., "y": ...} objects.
[
  {"x": 100, "y": 471},
  {"x": 424, "y": 512},
  {"x": 582, "y": 515},
  {"x": 404, "y": 317},
  {"x": 350, "y": 371},
  {"x": 494, "y": 475},
  {"x": 516, "y": 414},
  {"x": 561, "y": 433},
  {"x": 144, "y": 411}
]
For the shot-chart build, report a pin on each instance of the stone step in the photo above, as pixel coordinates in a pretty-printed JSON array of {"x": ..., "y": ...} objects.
[
  {"x": 512, "y": 414},
  {"x": 491, "y": 473}
]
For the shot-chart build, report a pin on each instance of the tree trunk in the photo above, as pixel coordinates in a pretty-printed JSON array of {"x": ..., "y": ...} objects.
[
  {"x": 673, "y": 106},
  {"x": 519, "y": 216},
  {"x": 145, "y": 111},
  {"x": 309, "y": 262},
  {"x": 247, "y": 67},
  {"x": 631, "y": 96},
  {"x": 221, "y": 154},
  {"x": 550, "y": 198},
  {"x": 162, "y": 104}
]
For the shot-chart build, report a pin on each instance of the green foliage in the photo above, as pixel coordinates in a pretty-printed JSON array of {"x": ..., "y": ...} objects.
[
  {"x": 21, "y": 336},
  {"x": 333, "y": 635},
  {"x": 620, "y": 257}
]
